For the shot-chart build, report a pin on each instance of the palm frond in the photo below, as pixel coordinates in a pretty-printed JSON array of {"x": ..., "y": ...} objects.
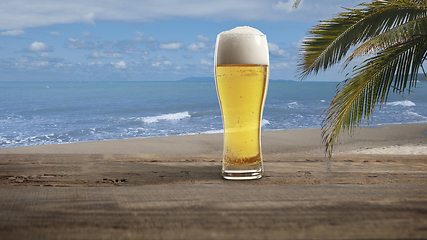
[
  {"x": 395, "y": 67},
  {"x": 391, "y": 37},
  {"x": 330, "y": 41}
]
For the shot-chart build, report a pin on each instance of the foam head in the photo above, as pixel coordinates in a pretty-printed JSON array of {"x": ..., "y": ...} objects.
[{"x": 241, "y": 45}]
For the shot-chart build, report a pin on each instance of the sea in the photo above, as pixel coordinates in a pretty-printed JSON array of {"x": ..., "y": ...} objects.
[{"x": 58, "y": 112}]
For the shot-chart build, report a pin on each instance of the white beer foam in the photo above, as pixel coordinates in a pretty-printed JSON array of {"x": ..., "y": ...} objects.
[{"x": 241, "y": 45}]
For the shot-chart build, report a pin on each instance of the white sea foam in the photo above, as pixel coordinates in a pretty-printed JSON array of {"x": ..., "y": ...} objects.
[
  {"x": 414, "y": 114},
  {"x": 404, "y": 103},
  {"x": 293, "y": 105},
  {"x": 213, "y": 131},
  {"x": 171, "y": 116},
  {"x": 264, "y": 122},
  {"x": 241, "y": 45}
]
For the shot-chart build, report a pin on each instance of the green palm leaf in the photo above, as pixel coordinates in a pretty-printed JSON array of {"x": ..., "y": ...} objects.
[
  {"x": 330, "y": 41},
  {"x": 395, "y": 31},
  {"x": 395, "y": 68},
  {"x": 389, "y": 38}
]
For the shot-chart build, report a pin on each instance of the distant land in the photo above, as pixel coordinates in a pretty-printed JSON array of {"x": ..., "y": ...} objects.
[
  {"x": 420, "y": 77},
  {"x": 212, "y": 79}
]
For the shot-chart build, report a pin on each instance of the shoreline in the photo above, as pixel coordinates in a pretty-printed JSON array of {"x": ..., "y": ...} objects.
[{"x": 378, "y": 139}]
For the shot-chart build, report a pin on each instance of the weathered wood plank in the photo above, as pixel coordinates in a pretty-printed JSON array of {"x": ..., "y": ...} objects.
[
  {"x": 141, "y": 169},
  {"x": 201, "y": 211},
  {"x": 134, "y": 196}
]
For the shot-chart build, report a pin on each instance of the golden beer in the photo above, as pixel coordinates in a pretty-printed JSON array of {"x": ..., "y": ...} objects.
[
  {"x": 241, "y": 92},
  {"x": 241, "y": 77}
]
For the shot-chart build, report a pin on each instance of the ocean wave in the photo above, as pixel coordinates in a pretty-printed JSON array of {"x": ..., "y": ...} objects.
[
  {"x": 23, "y": 140},
  {"x": 404, "y": 103},
  {"x": 293, "y": 104},
  {"x": 167, "y": 117},
  {"x": 216, "y": 112},
  {"x": 211, "y": 132},
  {"x": 414, "y": 114},
  {"x": 264, "y": 122}
]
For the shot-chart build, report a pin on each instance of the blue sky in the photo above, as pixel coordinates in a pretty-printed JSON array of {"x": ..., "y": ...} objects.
[{"x": 147, "y": 40}]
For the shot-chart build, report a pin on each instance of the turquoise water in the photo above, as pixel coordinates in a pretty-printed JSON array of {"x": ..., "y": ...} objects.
[{"x": 36, "y": 113}]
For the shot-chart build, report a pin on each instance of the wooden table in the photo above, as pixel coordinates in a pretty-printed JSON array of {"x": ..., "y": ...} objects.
[{"x": 143, "y": 196}]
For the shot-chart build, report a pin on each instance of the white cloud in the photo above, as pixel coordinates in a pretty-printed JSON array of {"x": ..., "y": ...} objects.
[
  {"x": 38, "y": 47},
  {"x": 65, "y": 65},
  {"x": 12, "y": 33},
  {"x": 40, "y": 63},
  {"x": 120, "y": 64},
  {"x": 280, "y": 65},
  {"x": 78, "y": 43},
  {"x": 44, "y": 54},
  {"x": 105, "y": 55},
  {"x": 275, "y": 50},
  {"x": 135, "y": 51},
  {"x": 160, "y": 58},
  {"x": 140, "y": 37},
  {"x": 206, "y": 62},
  {"x": 21, "y": 14},
  {"x": 54, "y": 33},
  {"x": 89, "y": 18},
  {"x": 145, "y": 58},
  {"x": 171, "y": 45},
  {"x": 164, "y": 64},
  {"x": 201, "y": 38},
  {"x": 298, "y": 44},
  {"x": 99, "y": 64},
  {"x": 151, "y": 39},
  {"x": 127, "y": 46},
  {"x": 197, "y": 47}
]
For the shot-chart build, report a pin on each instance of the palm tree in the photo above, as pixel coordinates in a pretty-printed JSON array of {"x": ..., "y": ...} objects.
[{"x": 391, "y": 34}]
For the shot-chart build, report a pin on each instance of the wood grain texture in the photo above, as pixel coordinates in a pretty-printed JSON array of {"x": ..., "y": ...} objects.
[{"x": 155, "y": 196}]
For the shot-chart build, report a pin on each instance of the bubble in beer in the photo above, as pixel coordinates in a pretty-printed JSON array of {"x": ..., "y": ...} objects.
[{"x": 241, "y": 45}]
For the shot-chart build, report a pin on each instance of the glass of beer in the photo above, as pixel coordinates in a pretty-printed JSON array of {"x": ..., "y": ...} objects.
[{"x": 241, "y": 77}]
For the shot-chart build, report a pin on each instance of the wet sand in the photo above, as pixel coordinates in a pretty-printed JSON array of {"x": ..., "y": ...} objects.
[{"x": 171, "y": 188}]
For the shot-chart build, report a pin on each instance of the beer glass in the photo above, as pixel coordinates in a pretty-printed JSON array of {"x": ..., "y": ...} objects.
[{"x": 241, "y": 77}]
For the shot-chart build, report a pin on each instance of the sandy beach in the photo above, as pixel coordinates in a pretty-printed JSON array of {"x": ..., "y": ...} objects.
[
  {"x": 171, "y": 188},
  {"x": 384, "y": 139}
]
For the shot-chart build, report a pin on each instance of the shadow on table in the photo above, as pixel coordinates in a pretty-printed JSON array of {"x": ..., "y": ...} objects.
[
  {"x": 106, "y": 169},
  {"x": 172, "y": 172}
]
